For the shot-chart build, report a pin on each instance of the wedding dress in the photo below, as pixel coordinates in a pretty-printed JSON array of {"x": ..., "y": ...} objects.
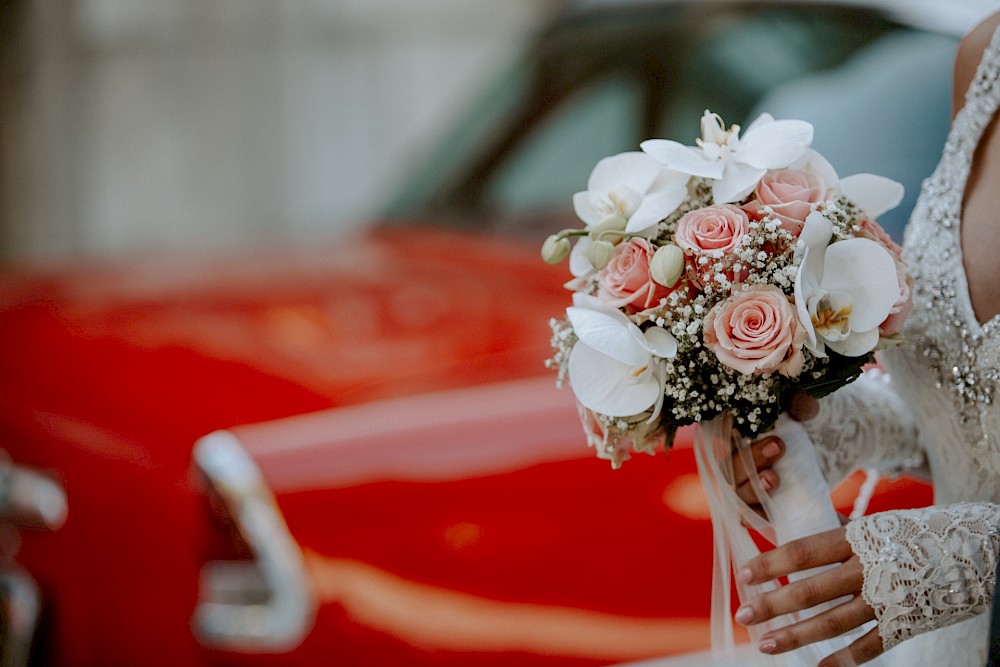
[{"x": 930, "y": 573}]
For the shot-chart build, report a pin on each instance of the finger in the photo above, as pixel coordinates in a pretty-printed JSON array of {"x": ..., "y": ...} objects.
[
  {"x": 861, "y": 651},
  {"x": 845, "y": 579},
  {"x": 803, "y": 407},
  {"x": 827, "y": 625},
  {"x": 764, "y": 453},
  {"x": 831, "y": 623},
  {"x": 803, "y": 554},
  {"x": 769, "y": 481}
]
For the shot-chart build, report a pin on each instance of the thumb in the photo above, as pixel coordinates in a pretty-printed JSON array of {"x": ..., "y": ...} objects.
[{"x": 803, "y": 407}]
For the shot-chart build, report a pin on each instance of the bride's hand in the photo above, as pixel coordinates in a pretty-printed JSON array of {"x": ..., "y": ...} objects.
[
  {"x": 830, "y": 547},
  {"x": 769, "y": 449},
  {"x": 764, "y": 453}
]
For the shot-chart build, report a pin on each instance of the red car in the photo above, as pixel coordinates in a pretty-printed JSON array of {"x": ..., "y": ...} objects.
[{"x": 354, "y": 454}]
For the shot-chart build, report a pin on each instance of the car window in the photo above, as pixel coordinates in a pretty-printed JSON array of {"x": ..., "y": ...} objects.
[
  {"x": 596, "y": 85},
  {"x": 546, "y": 169}
]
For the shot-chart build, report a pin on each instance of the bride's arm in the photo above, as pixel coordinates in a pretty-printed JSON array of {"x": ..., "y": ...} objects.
[
  {"x": 927, "y": 568},
  {"x": 865, "y": 425}
]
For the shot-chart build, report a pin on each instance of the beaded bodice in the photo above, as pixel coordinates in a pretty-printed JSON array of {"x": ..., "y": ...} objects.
[
  {"x": 945, "y": 343},
  {"x": 929, "y": 574}
]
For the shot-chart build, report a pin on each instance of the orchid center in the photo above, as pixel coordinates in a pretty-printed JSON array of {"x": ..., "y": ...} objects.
[
  {"x": 638, "y": 373},
  {"x": 716, "y": 141},
  {"x": 831, "y": 315}
]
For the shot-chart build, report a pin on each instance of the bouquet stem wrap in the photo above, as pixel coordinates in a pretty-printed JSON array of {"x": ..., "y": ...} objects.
[{"x": 800, "y": 506}]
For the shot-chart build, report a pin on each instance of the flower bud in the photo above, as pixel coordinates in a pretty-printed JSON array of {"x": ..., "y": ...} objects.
[
  {"x": 667, "y": 265},
  {"x": 613, "y": 223},
  {"x": 600, "y": 253},
  {"x": 555, "y": 249}
]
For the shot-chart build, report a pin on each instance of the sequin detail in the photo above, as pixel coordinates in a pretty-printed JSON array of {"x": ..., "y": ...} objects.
[{"x": 960, "y": 354}]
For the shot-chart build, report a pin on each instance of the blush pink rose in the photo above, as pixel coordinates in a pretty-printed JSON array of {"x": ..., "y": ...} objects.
[
  {"x": 721, "y": 227},
  {"x": 625, "y": 282},
  {"x": 791, "y": 195},
  {"x": 904, "y": 304},
  {"x": 756, "y": 331}
]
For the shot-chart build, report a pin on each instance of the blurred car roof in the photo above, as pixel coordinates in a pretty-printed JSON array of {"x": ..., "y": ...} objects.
[{"x": 606, "y": 74}]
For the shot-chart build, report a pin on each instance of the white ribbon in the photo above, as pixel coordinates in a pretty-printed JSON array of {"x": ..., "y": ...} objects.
[{"x": 800, "y": 506}]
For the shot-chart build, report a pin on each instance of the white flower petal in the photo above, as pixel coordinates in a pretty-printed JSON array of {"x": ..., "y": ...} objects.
[
  {"x": 803, "y": 289},
  {"x": 738, "y": 181},
  {"x": 583, "y": 300},
  {"x": 815, "y": 163},
  {"x": 855, "y": 345},
  {"x": 635, "y": 169},
  {"x": 656, "y": 207},
  {"x": 758, "y": 122},
  {"x": 661, "y": 342},
  {"x": 683, "y": 158},
  {"x": 774, "y": 145},
  {"x": 865, "y": 270},
  {"x": 630, "y": 199},
  {"x": 874, "y": 194},
  {"x": 607, "y": 386},
  {"x": 584, "y": 208},
  {"x": 579, "y": 257},
  {"x": 608, "y": 335},
  {"x": 816, "y": 233}
]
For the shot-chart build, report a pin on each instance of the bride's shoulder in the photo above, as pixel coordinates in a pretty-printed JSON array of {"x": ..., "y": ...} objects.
[{"x": 970, "y": 52}]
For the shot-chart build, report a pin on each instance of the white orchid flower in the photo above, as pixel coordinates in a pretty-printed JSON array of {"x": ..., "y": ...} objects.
[
  {"x": 630, "y": 192},
  {"x": 843, "y": 290},
  {"x": 613, "y": 367},
  {"x": 874, "y": 194},
  {"x": 735, "y": 164}
]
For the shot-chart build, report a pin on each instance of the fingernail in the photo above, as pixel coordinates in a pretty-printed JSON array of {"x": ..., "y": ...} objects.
[
  {"x": 765, "y": 484},
  {"x": 771, "y": 450},
  {"x": 744, "y": 615},
  {"x": 744, "y": 575},
  {"x": 768, "y": 646}
]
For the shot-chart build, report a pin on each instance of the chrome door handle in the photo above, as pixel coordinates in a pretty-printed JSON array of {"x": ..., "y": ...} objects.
[{"x": 262, "y": 605}]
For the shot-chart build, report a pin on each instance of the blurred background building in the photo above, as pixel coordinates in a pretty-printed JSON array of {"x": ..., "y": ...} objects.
[{"x": 144, "y": 125}]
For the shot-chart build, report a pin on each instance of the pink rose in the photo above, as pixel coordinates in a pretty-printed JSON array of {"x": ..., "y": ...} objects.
[
  {"x": 721, "y": 227},
  {"x": 901, "y": 309},
  {"x": 756, "y": 331},
  {"x": 791, "y": 194},
  {"x": 625, "y": 282}
]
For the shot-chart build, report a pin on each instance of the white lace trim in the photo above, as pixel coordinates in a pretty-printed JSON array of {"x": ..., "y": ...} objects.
[
  {"x": 927, "y": 568},
  {"x": 849, "y": 437}
]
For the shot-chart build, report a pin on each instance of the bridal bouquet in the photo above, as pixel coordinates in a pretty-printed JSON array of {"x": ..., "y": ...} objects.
[
  {"x": 709, "y": 282},
  {"x": 717, "y": 278}
]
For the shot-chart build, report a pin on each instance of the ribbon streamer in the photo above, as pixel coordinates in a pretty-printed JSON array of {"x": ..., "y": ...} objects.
[{"x": 799, "y": 507}]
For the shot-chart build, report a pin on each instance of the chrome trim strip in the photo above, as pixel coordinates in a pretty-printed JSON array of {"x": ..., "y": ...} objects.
[
  {"x": 264, "y": 605},
  {"x": 20, "y": 605}
]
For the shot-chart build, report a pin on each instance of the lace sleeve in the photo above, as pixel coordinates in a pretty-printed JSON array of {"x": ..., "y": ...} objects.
[
  {"x": 864, "y": 425},
  {"x": 927, "y": 568}
]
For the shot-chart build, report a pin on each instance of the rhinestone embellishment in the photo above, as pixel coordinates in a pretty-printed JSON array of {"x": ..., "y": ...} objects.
[{"x": 959, "y": 353}]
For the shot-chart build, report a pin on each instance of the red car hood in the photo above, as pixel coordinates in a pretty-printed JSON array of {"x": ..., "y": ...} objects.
[
  {"x": 111, "y": 372},
  {"x": 373, "y": 316}
]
